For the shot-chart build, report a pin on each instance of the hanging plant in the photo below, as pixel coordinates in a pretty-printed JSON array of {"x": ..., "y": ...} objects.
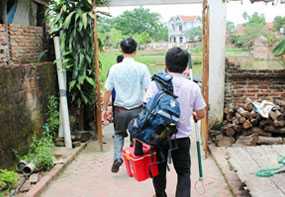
[{"x": 73, "y": 21}]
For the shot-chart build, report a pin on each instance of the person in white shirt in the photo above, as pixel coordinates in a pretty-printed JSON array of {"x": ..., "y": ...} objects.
[{"x": 130, "y": 80}]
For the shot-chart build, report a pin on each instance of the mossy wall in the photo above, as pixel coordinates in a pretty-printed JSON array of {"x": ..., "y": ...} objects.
[{"x": 24, "y": 92}]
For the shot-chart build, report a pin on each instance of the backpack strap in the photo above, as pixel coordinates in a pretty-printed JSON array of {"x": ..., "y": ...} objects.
[{"x": 164, "y": 82}]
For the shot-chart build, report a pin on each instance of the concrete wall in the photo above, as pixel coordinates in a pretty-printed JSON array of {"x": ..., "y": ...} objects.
[
  {"x": 217, "y": 20},
  {"x": 253, "y": 84},
  {"x": 25, "y": 85},
  {"x": 24, "y": 90}
]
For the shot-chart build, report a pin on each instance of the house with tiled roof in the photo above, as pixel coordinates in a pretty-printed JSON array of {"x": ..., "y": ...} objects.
[{"x": 179, "y": 26}]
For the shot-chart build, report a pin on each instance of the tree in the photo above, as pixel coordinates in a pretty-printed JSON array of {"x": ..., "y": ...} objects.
[
  {"x": 230, "y": 27},
  {"x": 195, "y": 34},
  {"x": 253, "y": 28},
  {"x": 138, "y": 21},
  {"x": 115, "y": 36},
  {"x": 162, "y": 33},
  {"x": 142, "y": 38},
  {"x": 278, "y": 23}
]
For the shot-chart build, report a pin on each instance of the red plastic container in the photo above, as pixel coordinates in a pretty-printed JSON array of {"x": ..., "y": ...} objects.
[{"x": 140, "y": 167}]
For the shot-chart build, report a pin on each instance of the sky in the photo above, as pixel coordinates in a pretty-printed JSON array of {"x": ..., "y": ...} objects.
[{"x": 234, "y": 10}]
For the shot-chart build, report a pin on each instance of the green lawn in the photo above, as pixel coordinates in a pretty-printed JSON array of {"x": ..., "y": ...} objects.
[{"x": 153, "y": 59}]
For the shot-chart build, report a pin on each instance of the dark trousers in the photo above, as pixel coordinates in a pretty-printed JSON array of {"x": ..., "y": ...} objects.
[{"x": 182, "y": 164}]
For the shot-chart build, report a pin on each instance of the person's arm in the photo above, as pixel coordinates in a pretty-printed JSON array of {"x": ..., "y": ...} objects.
[
  {"x": 146, "y": 78},
  {"x": 109, "y": 86},
  {"x": 199, "y": 109}
]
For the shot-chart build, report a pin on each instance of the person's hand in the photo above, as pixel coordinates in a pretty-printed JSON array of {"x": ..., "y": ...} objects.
[
  {"x": 194, "y": 114},
  {"x": 104, "y": 117}
]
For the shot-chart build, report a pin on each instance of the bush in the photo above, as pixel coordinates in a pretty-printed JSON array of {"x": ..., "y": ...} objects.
[{"x": 41, "y": 153}]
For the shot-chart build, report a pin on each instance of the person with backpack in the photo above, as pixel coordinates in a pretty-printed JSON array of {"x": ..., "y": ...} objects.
[
  {"x": 130, "y": 80},
  {"x": 191, "y": 102}
]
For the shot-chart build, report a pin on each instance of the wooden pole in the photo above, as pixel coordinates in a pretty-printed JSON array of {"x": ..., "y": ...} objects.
[
  {"x": 98, "y": 111},
  {"x": 205, "y": 121}
]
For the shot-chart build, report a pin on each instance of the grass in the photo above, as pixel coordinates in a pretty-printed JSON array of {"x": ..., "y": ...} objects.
[{"x": 153, "y": 59}]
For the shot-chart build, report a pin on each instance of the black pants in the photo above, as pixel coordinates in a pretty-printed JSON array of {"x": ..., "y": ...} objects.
[{"x": 182, "y": 164}]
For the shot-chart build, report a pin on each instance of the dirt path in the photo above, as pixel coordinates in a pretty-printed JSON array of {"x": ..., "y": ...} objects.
[{"x": 89, "y": 176}]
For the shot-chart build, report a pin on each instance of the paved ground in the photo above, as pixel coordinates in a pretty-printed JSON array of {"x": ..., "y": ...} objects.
[{"x": 89, "y": 176}]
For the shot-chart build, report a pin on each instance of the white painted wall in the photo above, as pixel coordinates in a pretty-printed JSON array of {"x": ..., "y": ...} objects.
[{"x": 217, "y": 20}]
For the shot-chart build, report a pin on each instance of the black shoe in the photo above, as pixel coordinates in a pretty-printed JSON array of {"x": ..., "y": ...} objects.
[{"x": 116, "y": 165}]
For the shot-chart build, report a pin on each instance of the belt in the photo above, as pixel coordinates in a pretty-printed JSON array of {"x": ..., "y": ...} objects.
[{"x": 125, "y": 109}]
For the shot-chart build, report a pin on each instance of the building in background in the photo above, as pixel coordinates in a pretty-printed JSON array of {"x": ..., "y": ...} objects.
[{"x": 180, "y": 26}]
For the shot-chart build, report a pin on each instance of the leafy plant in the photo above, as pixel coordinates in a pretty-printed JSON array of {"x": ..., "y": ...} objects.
[
  {"x": 53, "y": 116},
  {"x": 8, "y": 179},
  {"x": 73, "y": 20},
  {"x": 41, "y": 153},
  {"x": 279, "y": 50}
]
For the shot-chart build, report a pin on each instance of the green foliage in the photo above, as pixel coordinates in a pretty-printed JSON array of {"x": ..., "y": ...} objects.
[
  {"x": 278, "y": 23},
  {"x": 53, "y": 115},
  {"x": 161, "y": 34},
  {"x": 279, "y": 50},
  {"x": 8, "y": 179},
  {"x": 142, "y": 38},
  {"x": 138, "y": 20},
  {"x": 141, "y": 20},
  {"x": 113, "y": 38},
  {"x": 230, "y": 27},
  {"x": 41, "y": 152},
  {"x": 74, "y": 20},
  {"x": 195, "y": 34},
  {"x": 254, "y": 27}
]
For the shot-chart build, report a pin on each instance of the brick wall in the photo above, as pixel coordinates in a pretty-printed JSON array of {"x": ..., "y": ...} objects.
[
  {"x": 22, "y": 44},
  {"x": 255, "y": 84},
  {"x": 24, "y": 91},
  {"x": 26, "y": 43}
]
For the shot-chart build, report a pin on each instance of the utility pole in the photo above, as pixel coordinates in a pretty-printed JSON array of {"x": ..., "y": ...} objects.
[{"x": 96, "y": 66}]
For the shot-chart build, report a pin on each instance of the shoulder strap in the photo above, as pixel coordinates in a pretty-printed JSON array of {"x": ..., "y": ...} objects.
[{"x": 164, "y": 82}]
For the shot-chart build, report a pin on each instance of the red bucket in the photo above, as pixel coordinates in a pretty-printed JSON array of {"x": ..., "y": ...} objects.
[{"x": 140, "y": 167}]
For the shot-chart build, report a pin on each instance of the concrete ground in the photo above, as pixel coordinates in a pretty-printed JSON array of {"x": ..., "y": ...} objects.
[{"x": 89, "y": 175}]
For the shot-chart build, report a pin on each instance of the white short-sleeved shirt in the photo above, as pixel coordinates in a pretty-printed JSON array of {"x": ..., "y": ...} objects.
[
  {"x": 130, "y": 79},
  {"x": 189, "y": 97}
]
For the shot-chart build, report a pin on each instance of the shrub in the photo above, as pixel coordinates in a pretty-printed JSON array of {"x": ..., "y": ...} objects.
[
  {"x": 41, "y": 153},
  {"x": 8, "y": 179}
]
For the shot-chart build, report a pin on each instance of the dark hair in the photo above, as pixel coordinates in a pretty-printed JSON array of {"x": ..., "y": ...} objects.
[
  {"x": 120, "y": 58},
  {"x": 129, "y": 46},
  {"x": 176, "y": 60}
]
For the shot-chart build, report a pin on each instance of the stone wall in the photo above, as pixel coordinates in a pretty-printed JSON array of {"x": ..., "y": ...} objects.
[{"x": 255, "y": 84}]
